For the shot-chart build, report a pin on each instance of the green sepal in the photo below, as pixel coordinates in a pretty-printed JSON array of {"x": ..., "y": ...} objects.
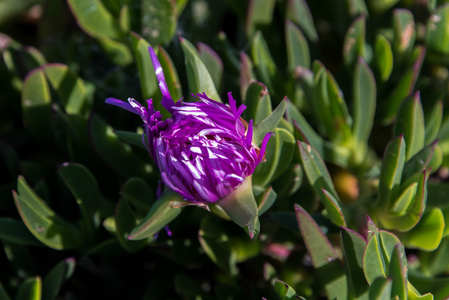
[{"x": 240, "y": 205}]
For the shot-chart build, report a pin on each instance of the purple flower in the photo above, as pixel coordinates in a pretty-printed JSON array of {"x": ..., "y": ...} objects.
[{"x": 204, "y": 150}]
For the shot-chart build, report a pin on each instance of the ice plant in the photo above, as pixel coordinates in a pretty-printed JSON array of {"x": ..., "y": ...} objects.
[{"x": 204, "y": 151}]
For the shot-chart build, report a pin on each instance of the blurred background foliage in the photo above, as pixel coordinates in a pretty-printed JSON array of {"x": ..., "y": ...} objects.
[{"x": 353, "y": 199}]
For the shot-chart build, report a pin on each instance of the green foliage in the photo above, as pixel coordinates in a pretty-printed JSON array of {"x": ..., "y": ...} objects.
[{"x": 349, "y": 203}]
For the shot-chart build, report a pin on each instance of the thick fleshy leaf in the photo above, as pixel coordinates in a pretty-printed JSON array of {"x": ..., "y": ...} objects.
[
  {"x": 388, "y": 107},
  {"x": 93, "y": 17},
  {"x": 305, "y": 132},
  {"x": 410, "y": 123},
  {"x": 413, "y": 294},
  {"x": 380, "y": 6},
  {"x": 260, "y": 12},
  {"x": 132, "y": 138},
  {"x": 36, "y": 105},
  {"x": 30, "y": 289},
  {"x": 16, "y": 232},
  {"x": 437, "y": 31},
  {"x": 84, "y": 188},
  {"x": 404, "y": 32},
  {"x": 284, "y": 291},
  {"x": 428, "y": 233},
  {"x": 414, "y": 212},
  {"x": 279, "y": 153},
  {"x": 316, "y": 170},
  {"x": 363, "y": 107},
  {"x": 146, "y": 70},
  {"x": 297, "y": 48},
  {"x": 268, "y": 124},
  {"x": 213, "y": 63},
  {"x": 138, "y": 193},
  {"x": 414, "y": 167},
  {"x": 381, "y": 289},
  {"x": 117, "y": 155},
  {"x": 69, "y": 87},
  {"x": 333, "y": 209},
  {"x": 117, "y": 52},
  {"x": 162, "y": 212},
  {"x": 318, "y": 246},
  {"x": 391, "y": 172},
  {"x": 354, "y": 44},
  {"x": 125, "y": 221},
  {"x": 246, "y": 74},
  {"x": 265, "y": 200},
  {"x": 398, "y": 273},
  {"x": 353, "y": 247},
  {"x": 200, "y": 81},
  {"x": 54, "y": 280},
  {"x": 263, "y": 63},
  {"x": 383, "y": 56},
  {"x": 299, "y": 12},
  {"x": 330, "y": 107},
  {"x": 403, "y": 201},
  {"x": 48, "y": 227},
  {"x": 324, "y": 257},
  {"x": 258, "y": 102},
  {"x": 20, "y": 60},
  {"x": 374, "y": 265},
  {"x": 158, "y": 20}
]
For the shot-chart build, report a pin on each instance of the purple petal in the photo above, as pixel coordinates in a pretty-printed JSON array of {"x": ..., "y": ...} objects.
[
  {"x": 249, "y": 134},
  {"x": 121, "y": 104},
  {"x": 167, "y": 101},
  {"x": 263, "y": 147}
]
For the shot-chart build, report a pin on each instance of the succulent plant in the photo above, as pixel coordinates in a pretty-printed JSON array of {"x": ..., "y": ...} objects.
[{"x": 347, "y": 199}]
